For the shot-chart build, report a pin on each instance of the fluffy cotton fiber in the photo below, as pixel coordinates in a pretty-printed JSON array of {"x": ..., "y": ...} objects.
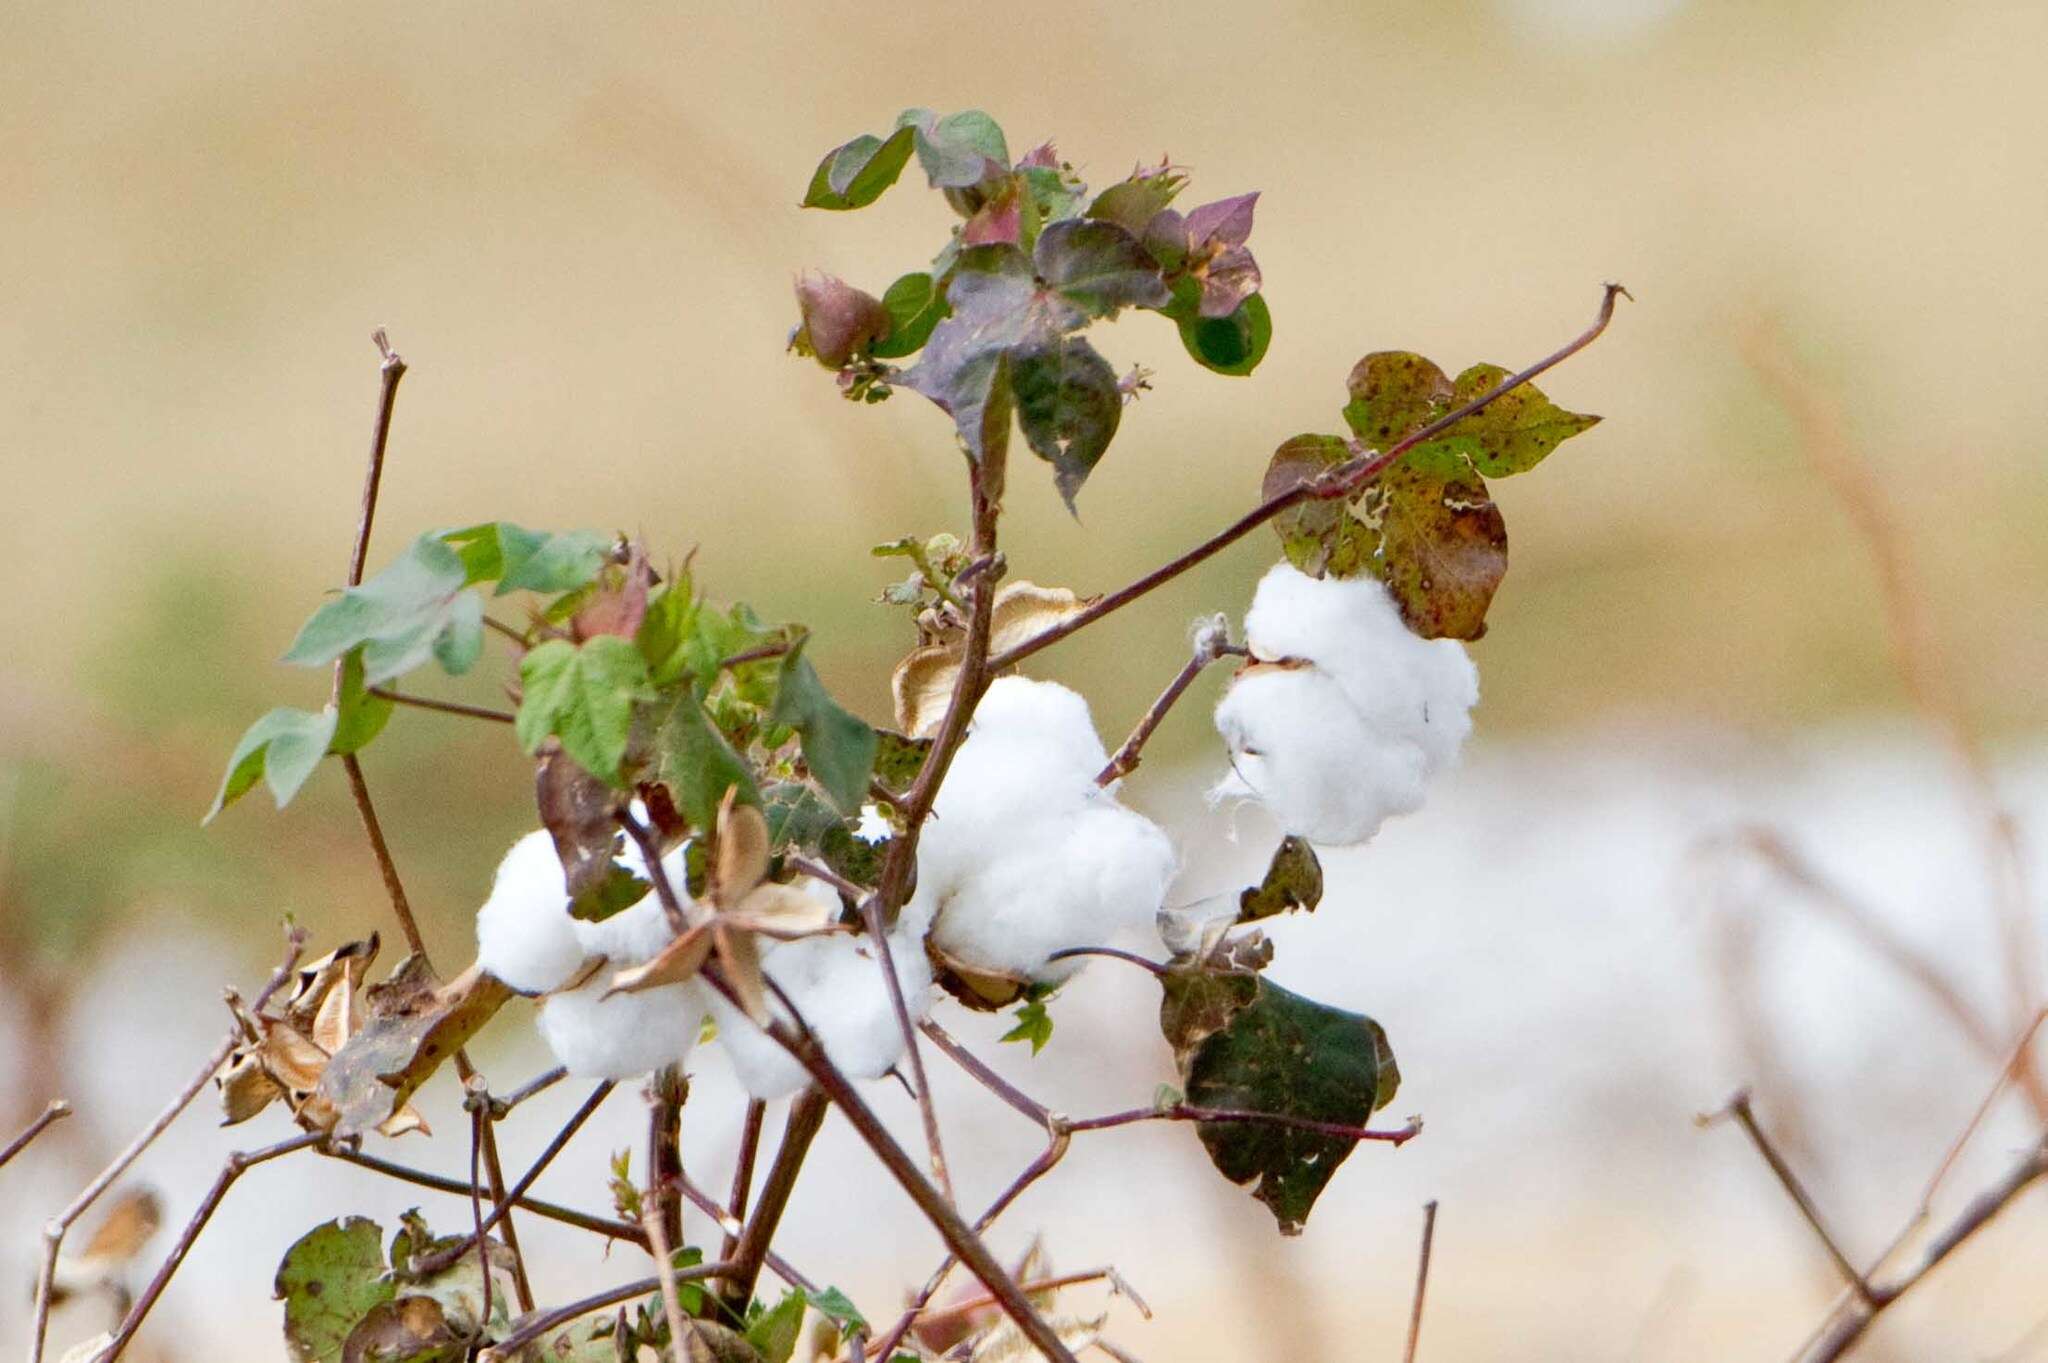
[
  {"x": 837, "y": 985},
  {"x": 1345, "y": 714},
  {"x": 1025, "y": 855},
  {"x": 526, "y": 938}
]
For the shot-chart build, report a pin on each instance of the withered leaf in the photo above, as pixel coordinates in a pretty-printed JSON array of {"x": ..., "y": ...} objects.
[
  {"x": 922, "y": 683},
  {"x": 415, "y": 1025},
  {"x": 1294, "y": 880}
]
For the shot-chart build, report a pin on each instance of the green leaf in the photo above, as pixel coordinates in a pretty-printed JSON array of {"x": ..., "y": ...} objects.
[
  {"x": 1243, "y": 1043},
  {"x": 835, "y": 1304},
  {"x": 956, "y": 151},
  {"x": 915, "y": 304},
  {"x": 1034, "y": 1024},
  {"x": 697, "y": 765},
  {"x": 1294, "y": 880},
  {"x": 518, "y": 559},
  {"x": 1068, "y": 406},
  {"x": 585, "y": 697},
  {"x": 856, "y": 173},
  {"x": 838, "y": 747},
  {"x": 898, "y": 758},
  {"x": 797, "y": 816},
  {"x": 775, "y": 1333},
  {"x": 329, "y": 1279},
  {"x": 1132, "y": 203},
  {"x": 281, "y": 749},
  {"x": 398, "y": 617},
  {"x": 362, "y": 716},
  {"x": 1231, "y": 345},
  {"x": 1099, "y": 267},
  {"x": 1394, "y": 393}
]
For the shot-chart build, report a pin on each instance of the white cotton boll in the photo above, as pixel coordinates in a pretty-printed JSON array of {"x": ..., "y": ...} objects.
[
  {"x": 523, "y": 931},
  {"x": 837, "y": 985},
  {"x": 1299, "y": 747},
  {"x": 631, "y": 935},
  {"x": 624, "y": 1035},
  {"x": 1073, "y": 881},
  {"x": 1338, "y": 747}
]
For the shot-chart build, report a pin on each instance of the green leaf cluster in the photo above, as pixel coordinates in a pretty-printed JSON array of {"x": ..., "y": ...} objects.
[
  {"x": 1427, "y": 526},
  {"x": 1033, "y": 263}
]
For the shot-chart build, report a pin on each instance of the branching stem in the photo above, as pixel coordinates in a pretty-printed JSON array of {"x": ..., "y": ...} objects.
[{"x": 56, "y": 1111}]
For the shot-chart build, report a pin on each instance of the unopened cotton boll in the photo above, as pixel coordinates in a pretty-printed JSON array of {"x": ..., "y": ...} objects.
[
  {"x": 837, "y": 985},
  {"x": 625, "y": 1035},
  {"x": 1025, "y": 855},
  {"x": 1346, "y": 713},
  {"x": 523, "y": 931}
]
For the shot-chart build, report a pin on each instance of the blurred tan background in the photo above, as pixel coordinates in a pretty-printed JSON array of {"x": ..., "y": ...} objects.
[{"x": 579, "y": 225}]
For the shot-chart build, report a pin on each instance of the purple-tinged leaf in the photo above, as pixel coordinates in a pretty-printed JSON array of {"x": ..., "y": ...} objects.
[
  {"x": 1099, "y": 266},
  {"x": 1068, "y": 406},
  {"x": 839, "y": 321}
]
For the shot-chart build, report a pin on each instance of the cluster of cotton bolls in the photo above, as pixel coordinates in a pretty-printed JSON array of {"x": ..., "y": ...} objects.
[{"x": 1344, "y": 714}]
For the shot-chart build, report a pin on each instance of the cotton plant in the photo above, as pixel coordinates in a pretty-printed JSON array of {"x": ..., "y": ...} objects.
[{"x": 727, "y": 848}]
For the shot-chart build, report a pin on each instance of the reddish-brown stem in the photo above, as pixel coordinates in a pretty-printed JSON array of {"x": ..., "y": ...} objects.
[
  {"x": 446, "y": 707},
  {"x": 667, "y": 1089},
  {"x": 1151, "y": 967},
  {"x": 885, "y": 955},
  {"x": 479, "y": 1118},
  {"x": 55, "y": 1229},
  {"x": 237, "y": 1164},
  {"x": 806, "y": 1117},
  {"x": 1212, "y": 644},
  {"x": 56, "y": 1111},
  {"x": 1342, "y": 481},
  {"x": 755, "y": 655},
  {"x": 743, "y": 1172},
  {"x": 658, "y": 1242},
  {"x": 775, "y": 1263},
  {"x": 819, "y": 871},
  {"x": 987, "y": 1077},
  {"x": 509, "y": 1347},
  {"x": 1421, "y": 1281},
  {"x": 568, "y": 1216},
  {"x": 1738, "y": 1107},
  {"x": 1186, "y": 1112},
  {"x": 502, "y": 1107}
]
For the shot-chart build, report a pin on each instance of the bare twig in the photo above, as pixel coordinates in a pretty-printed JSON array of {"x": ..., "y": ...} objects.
[
  {"x": 1341, "y": 481},
  {"x": 479, "y": 1118},
  {"x": 446, "y": 707},
  {"x": 1738, "y": 1107},
  {"x": 987, "y": 1077},
  {"x": 743, "y": 1172},
  {"x": 56, "y": 1111},
  {"x": 1145, "y": 964},
  {"x": 667, "y": 1090},
  {"x": 568, "y": 1216},
  {"x": 533, "y": 1328},
  {"x": 806, "y": 1117},
  {"x": 819, "y": 871},
  {"x": 775, "y": 1263},
  {"x": 653, "y": 1217},
  {"x": 1184, "y": 1112},
  {"x": 755, "y": 655},
  {"x": 1421, "y": 1280},
  {"x": 885, "y": 956},
  {"x": 55, "y": 1229},
  {"x": 237, "y": 1164},
  {"x": 501, "y": 1108},
  {"x": 1212, "y": 643}
]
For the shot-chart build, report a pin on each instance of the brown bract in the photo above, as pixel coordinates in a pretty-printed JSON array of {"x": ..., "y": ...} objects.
[
  {"x": 923, "y": 682},
  {"x": 739, "y": 902}
]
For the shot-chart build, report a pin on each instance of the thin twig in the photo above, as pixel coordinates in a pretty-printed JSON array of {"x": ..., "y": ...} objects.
[
  {"x": 987, "y": 1077},
  {"x": 775, "y": 1263},
  {"x": 479, "y": 1117},
  {"x": 1421, "y": 1280},
  {"x": 528, "y": 1331},
  {"x": 1150, "y": 967},
  {"x": 568, "y": 1216},
  {"x": 1185, "y": 1112},
  {"x": 1210, "y": 645},
  {"x": 56, "y": 1111},
  {"x": 666, "y": 1091},
  {"x": 806, "y": 1117},
  {"x": 743, "y": 1173},
  {"x": 1342, "y": 481},
  {"x": 1738, "y": 1107},
  {"x": 819, "y": 871},
  {"x": 236, "y": 1165},
  {"x": 446, "y": 707},
  {"x": 885, "y": 955},
  {"x": 652, "y": 1217},
  {"x": 501, "y": 1108},
  {"x": 55, "y": 1229}
]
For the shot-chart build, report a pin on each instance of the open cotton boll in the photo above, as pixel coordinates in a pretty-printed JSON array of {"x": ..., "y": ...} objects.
[
  {"x": 523, "y": 931},
  {"x": 837, "y": 985},
  {"x": 1349, "y": 734},
  {"x": 625, "y": 1035},
  {"x": 1067, "y": 882}
]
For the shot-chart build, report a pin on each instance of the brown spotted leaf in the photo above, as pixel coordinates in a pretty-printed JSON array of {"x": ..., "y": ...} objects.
[
  {"x": 1443, "y": 548},
  {"x": 1319, "y": 535},
  {"x": 415, "y": 1025},
  {"x": 1294, "y": 880},
  {"x": 329, "y": 1279}
]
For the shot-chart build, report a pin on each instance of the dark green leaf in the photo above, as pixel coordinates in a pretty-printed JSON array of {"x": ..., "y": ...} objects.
[
  {"x": 855, "y": 174},
  {"x": 1228, "y": 345},
  {"x": 964, "y": 368},
  {"x": 956, "y": 151},
  {"x": 1099, "y": 267},
  {"x": 1243, "y": 1043},
  {"x": 281, "y": 749},
  {"x": 835, "y": 1304},
  {"x": 1294, "y": 880},
  {"x": 697, "y": 765},
  {"x": 916, "y": 305},
  {"x": 329, "y": 1279},
  {"x": 797, "y": 816},
  {"x": 1068, "y": 406},
  {"x": 585, "y": 697},
  {"x": 775, "y": 1332},
  {"x": 839, "y": 747},
  {"x": 398, "y": 617}
]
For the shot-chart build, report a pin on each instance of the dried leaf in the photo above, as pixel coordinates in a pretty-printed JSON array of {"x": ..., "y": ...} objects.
[
  {"x": 415, "y": 1026},
  {"x": 680, "y": 960},
  {"x": 922, "y": 683},
  {"x": 983, "y": 990},
  {"x": 1294, "y": 880}
]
